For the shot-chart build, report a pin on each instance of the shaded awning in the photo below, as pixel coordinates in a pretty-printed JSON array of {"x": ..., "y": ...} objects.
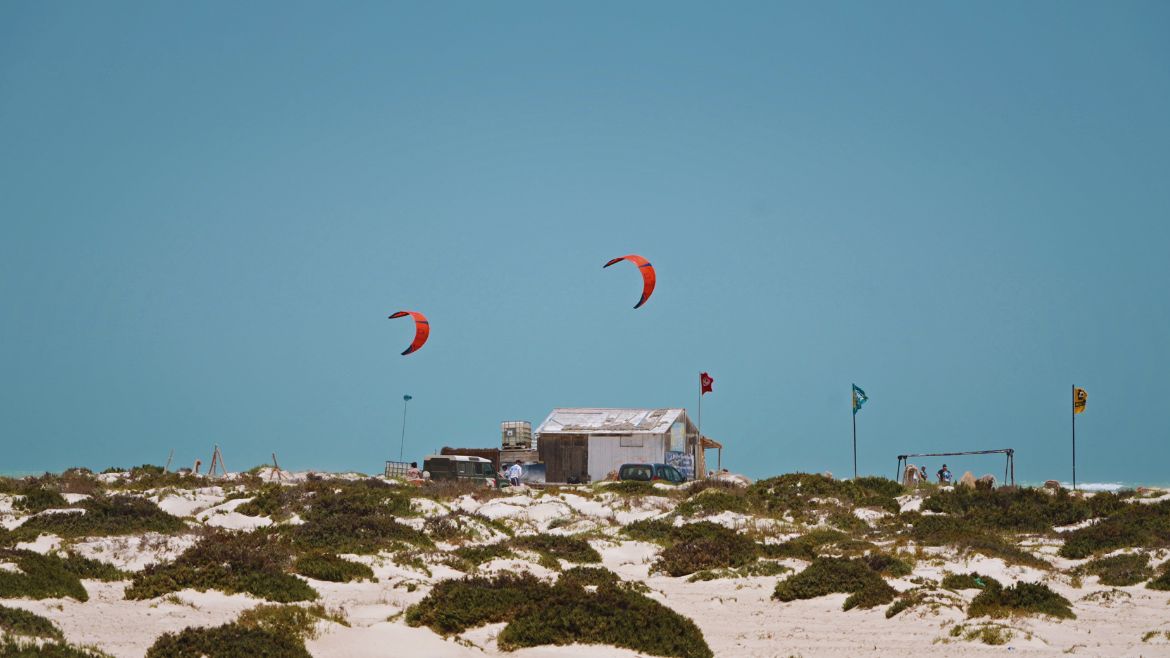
[{"x": 708, "y": 443}]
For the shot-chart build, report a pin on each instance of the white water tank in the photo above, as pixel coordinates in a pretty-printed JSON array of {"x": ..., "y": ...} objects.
[{"x": 516, "y": 435}]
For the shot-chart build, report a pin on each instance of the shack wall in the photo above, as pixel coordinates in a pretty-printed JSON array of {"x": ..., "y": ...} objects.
[{"x": 606, "y": 452}]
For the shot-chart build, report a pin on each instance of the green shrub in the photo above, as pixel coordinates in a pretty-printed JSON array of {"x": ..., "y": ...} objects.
[
  {"x": 656, "y": 531},
  {"x": 84, "y": 567},
  {"x": 558, "y": 547},
  {"x": 686, "y": 557},
  {"x": 299, "y": 621},
  {"x": 582, "y": 576},
  {"x": 39, "y": 499},
  {"x": 257, "y": 563},
  {"x": 1019, "y": 509},
  {"x": 538, "y": 614},
  {"x": 973, "y": 580},
  {"x": 1119, "y": 570},
  {"x": 1132, "y": 525},
  {"x": 227, "y": 641},
  {"x": 713, "y": 501},
  {"x": 14, "y": 621},
  {"x": 1020, "y": 599},
  {"x": 1162, "y": 582},
  {"x": 40, "y": 577},
  {"x": 887, "y": 565},
  {"x": 795, "y": 492},
  {"x": 944, "y": 530},
  {"x": 466, "y": 558},
  {"x": 104, "y": 516},
  {"x": 360, "y": 518},
  {"x": 21, "y": 648},
  {"x": 807, "y": 546},
  {"x": 323, "y": 566},
  {"x": 633, "y": 488},
  {"x": 828, "y": 575}
]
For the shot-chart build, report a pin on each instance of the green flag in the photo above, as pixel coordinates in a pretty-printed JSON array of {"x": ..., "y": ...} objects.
[{"x": 859, "y": 398}]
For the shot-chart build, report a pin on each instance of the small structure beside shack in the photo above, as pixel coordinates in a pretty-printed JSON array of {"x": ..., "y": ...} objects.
[{"x": 587, "y": 444}]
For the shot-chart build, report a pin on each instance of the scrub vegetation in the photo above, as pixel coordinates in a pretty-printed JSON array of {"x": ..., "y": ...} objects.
[{"x": 566, "y": 612}]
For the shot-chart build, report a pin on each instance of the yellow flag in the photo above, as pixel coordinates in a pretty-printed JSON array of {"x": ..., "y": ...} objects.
[{"x": 1080, "y": 397}]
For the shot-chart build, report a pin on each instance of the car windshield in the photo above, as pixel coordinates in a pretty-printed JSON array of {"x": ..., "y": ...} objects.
[{"x": 636, "y": 472}]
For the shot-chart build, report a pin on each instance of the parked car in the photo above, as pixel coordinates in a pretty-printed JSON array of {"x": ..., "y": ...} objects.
[
  {"x": 461, "y": 467},
  {"x": 650, "y": 473}
]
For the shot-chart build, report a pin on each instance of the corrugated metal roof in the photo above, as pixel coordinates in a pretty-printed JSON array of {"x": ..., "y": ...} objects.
[{"x": 652, "y": 421}]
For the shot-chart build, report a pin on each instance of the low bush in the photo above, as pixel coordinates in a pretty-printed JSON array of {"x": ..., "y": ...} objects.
[
  {"x": 323, "y": 566},
  {"x": 14, "y": 621},
  {"x": 688, "y": 556},
  {"x": 973, "y": 580},
  {"x": 39, "y": 499},
  {"x": 760, "y": 568},
  {"x": 360, "y": 518},
  {"x": 228, "y": 641},
  {"x": 104, "y": 516},
  {"x": 1018, "y": 509},
  {"x": 807, "y": 546},
  {"x": 1119, "y": 570},
  {"x": 27, "y": 648},
  {"x": 713, "y": 501},
  {"x": 828, "y": 575},
  {"x": 1020, "y": 599},
  {"x": 798, "y": 493},
  {"x": 256, "y": 563},
  {"x": 887, "y": 565},
  {"x": 538, "y": 614},
  {"x": 633, "y": 488},
  {"x": 466, "y": 558},
  {"x": 558, "y": 547},
  {"x": 945, "y": 530},
  {"x": 1132, "y": 525},
  {"x": 84, "y": 567},
  {"x": 1162, "y": 582},
  {"x": 299, "y": 621},
  {"x": 38, "y": 577},
  {"x": 657, "y": 531}
]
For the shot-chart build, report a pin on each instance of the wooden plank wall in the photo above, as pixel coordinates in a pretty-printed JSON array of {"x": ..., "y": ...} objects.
[{"x": 565, "y": 456}]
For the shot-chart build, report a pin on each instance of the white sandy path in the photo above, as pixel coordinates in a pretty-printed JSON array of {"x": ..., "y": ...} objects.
[
  {"x": 125, "y": 629},
  {"x": 226, "y": 516}
]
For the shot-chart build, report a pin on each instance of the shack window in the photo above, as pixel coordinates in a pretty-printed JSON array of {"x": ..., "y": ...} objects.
[
  {"x": 631, "y": 441},
  {"x": 465, "y": 468}
]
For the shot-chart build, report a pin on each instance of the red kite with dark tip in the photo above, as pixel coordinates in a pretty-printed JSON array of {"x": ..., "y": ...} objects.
[
  {"x": 648, "y": 276},
  {"x": 422, "y": 329}
]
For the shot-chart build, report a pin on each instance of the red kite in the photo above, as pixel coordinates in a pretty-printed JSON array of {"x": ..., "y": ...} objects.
[
  {"x": 422, "y": 329},
  {"x": 648, "y": 276}
]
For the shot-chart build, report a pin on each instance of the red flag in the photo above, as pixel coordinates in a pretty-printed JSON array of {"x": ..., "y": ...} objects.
[{"x": 705, "y": 383}]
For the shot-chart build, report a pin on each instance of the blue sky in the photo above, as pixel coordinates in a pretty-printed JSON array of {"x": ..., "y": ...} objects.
[{"x": 209, "y": 210}]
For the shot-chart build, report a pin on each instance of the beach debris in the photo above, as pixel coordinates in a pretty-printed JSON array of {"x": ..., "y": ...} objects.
[
  {"x": 422, "y": 329},
  {"x": 649, "y": 278},
  {"x": 968, "y": 480}
]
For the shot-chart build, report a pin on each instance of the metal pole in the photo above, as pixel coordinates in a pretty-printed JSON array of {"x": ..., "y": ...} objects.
[
  {"x": 402, "y": 444},
  {"x": 854, "y": 410},
  {"x": 1074, "y": 435}
]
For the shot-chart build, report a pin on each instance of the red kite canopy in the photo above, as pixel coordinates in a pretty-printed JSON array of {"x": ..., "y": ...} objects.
[
  {"x": 422, "y": 329},
  {"x": 648, "y": 276}
]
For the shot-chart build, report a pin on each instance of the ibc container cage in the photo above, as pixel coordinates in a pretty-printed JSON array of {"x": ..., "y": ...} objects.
[{"x": 516, "y": 434}]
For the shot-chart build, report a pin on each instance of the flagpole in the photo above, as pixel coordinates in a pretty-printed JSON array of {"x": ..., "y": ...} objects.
[
  {"x": 1074, "y": 435},
  {"x": 854, "y": 409},
  {"x": 402, "y": 444}
]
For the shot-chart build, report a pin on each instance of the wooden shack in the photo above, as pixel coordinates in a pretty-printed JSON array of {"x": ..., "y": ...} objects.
[{"x": 586, "y": 445}]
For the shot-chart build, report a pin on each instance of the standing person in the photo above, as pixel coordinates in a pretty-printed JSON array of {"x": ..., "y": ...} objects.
[
  {"x": 944, "y": 475},
  {"x": 515, "y": 472}
]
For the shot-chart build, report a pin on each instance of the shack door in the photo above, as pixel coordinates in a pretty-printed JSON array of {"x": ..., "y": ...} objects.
[{"x": 565, "y": 457}]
